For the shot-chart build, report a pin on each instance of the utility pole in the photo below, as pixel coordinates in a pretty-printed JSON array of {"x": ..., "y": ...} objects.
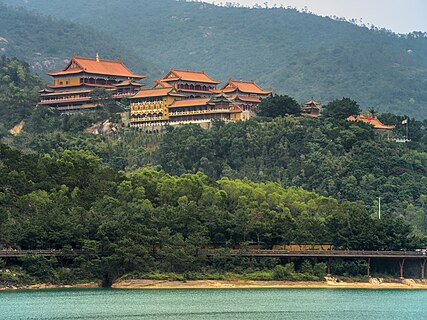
[
  {"x": 379, "y": 208},
  {"x": 407, "y": 130}
]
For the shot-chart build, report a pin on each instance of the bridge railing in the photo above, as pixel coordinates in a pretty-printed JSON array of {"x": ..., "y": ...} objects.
[{"x": 314, "y": 253}]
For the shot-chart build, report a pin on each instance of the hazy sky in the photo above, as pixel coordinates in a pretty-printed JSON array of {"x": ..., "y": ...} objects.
[{"x": 401, "y": 16}]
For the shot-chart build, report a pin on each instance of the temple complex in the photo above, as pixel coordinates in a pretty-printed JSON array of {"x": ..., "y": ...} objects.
[
  {"x": 73, "y": 84},
  {"x": 181, "y": 96},
  {"x": 311, "y": 108},
  {"x": 184, "y": 96}
]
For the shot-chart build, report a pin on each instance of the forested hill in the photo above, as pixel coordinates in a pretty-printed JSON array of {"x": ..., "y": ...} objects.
[
  {"x": 299, "y": 54},
  {"x": 46, "y": 43}
]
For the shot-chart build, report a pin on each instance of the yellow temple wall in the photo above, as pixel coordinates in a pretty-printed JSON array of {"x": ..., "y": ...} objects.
[{"x": 71, "y": 82}]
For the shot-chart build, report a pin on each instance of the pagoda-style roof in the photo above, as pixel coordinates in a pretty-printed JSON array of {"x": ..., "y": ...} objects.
[
  {"x": 243, "y": 86},
  {"x": 159, "y": 92},
  {"x": 161, "y": 84},
  {"x": 190, "y": 102},
  {"x": 45, "y": 90},
  {"x": 312, "y": 102},
  {"x": 377, "y": 124},
  {"x": 127, "y": 83},
  {"x": 96, "y": 66},
  {"x": 219, "y": 98},
  {"x": 187, "y": 75},
  {"x": 246, "y": 98}
]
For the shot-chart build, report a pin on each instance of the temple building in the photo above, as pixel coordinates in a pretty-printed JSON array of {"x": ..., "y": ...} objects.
[
  {"x": 181, "y": 96},
  {"x": 245, "y": 94},
  {"x": 73, "y": 84},
  {"x": 311, "y": 108},
  {"x": 373, "y": 121},
  {"x": 150, "y": 108},
  {"x": 184, "y": 96},
  {"x": 193, "y": 84}
]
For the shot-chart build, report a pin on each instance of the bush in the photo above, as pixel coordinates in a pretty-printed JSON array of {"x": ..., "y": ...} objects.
[
  {"x": 319, "y": 269},
  {"x": 283, "y": 272}
]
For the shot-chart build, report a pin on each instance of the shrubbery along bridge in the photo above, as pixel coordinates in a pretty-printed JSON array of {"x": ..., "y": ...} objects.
[{"x": 402, "y": 256}]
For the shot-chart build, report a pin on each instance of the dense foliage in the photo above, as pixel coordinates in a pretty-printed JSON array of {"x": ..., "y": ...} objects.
[
  {"x": 278, "y": 105},
  {"x": 18, "y": 91},
  {"x": 337, "y": 158},
  {"x": 147, "y": 220},
  {"x": 292, "y": 52}
]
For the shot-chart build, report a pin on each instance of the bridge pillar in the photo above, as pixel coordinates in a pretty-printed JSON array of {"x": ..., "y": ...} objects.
[
  {"x": 369, "y": 267},
  {"x": 423, "y": 268},
  {"x": 401, "y": 265},
  {"x": 329, "y": 266}
]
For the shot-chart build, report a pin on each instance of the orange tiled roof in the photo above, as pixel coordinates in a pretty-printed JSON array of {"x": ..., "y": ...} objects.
[
  {"x": 96, "y": 66},
  {"x": 161, "y": 84},
  {"x": 312, "y": 101},
  {"x": 372, "y": 121},
  {"x": 129, "y": 83},
  {"x": 45, "y": 90},
  {"x": 190, "y": 102},
  {"x": 187, "y": 75},
  {"x": 160, "y": 92},
  {"x": 244, "y": 86},
  {"x": 247, "y": 98}
]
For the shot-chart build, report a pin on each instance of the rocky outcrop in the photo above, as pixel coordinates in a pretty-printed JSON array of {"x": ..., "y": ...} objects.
[{"x": 105, "y": 128}]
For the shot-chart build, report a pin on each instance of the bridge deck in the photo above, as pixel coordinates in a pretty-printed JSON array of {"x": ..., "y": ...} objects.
[
  {"x": 22, "y": 253},
  {"x": 258, "y": 253},
  {"x": 320, "y": 253}
]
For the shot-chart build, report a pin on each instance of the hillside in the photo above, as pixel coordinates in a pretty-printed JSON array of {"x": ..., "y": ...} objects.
[
  {"x": 295, "y": 53},
  {"x": 46, "y": 43}
]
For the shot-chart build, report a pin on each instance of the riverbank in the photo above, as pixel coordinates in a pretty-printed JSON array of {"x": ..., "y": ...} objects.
[{"x": 329, "y": 283}]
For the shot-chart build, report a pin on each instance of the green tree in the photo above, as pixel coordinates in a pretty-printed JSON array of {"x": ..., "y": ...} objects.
[
  {"x": 104, "y": 99},
  {"x": 341, "y": 109},
  {"x": 277, "y": 106}
]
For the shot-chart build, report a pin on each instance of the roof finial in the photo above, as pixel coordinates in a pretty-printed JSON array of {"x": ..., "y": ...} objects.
[{"x": 97, "y": 57}]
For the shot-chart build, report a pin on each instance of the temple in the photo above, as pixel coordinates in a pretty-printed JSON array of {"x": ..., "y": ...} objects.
[
  {"x": 181, "y": 96},
  {"x": 311, "y": 108},
  {"x": 184, "y": 96},
  {"x": 373, "y": 121},
  {"x": 73, "y": 84},
  {"x": 192, "y": 84},
  {"x": 246, "y": 95}
]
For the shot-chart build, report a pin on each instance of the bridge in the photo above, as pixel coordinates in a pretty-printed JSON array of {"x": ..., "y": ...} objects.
[
  {"x": 402, "y": 256},
  {"x": 11, "y": 253}
]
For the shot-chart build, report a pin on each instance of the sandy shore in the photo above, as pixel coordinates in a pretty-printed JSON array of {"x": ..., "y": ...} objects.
[{"x": 330, "y": 283}]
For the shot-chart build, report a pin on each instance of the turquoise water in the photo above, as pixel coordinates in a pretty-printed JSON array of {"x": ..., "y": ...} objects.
[{"x": 265, "y": 304}]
